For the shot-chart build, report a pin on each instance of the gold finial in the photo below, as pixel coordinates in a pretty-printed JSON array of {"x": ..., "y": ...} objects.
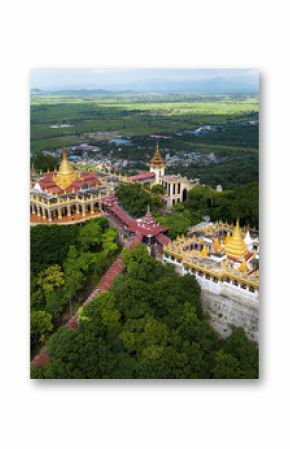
[
  {"x": 157, "y": 161},
  {"x": 227, "y": 239},
  {"x": 243, "y": 268},
  {"x": 204, "y": 251},
  {"x": 216, "y": 245}
]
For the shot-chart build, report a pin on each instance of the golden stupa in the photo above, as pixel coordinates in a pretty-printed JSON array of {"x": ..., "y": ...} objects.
[
  {"x": 236, "y": 247},
  {"x": 66, "y": 174},
  {"x": 157, "y": 161}
]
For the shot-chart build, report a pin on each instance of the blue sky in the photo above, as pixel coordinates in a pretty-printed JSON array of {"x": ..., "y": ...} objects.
[{"x": 129, "y": 78}]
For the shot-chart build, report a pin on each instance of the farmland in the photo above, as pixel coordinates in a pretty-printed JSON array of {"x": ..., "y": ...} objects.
[{"x": 136, "y": 116}]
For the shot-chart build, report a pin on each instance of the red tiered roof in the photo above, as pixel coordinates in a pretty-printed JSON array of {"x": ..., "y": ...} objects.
[
  {"x": 110, "y": 200},
  {"x": 163, "y": 239},
  {"x": 148, "y": 226},
  {"x": 122, "y": 215},
  {"x": 47, "y": 183}
]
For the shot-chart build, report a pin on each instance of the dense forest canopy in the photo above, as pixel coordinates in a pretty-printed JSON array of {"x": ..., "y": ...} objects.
[
  {"x": 136, "y": 199},
  {"x": 242, "y": 202},
  {"x": 65, "y": 262},
  {"x": 150, "y": 324}
]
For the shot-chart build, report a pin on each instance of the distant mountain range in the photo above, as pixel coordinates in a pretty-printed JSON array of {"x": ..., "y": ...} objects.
[
  {"x": 213, "y": 85},
  {"x": 78, "y": 91}
]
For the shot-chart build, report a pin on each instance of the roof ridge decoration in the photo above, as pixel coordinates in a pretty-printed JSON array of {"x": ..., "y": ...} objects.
[{"x": 157, "y": 161}]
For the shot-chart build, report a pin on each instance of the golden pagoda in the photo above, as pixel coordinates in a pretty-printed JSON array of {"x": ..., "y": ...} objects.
[
  {"x": 157, "y": 161},
  {"x": 66, "y": 174},
  {"x": 236, "y": 247}
]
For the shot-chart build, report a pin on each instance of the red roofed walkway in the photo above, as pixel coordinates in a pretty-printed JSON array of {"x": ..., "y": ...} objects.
[
  {"x": 107, "y": 279},
  {"x": 146, "y": 228}
]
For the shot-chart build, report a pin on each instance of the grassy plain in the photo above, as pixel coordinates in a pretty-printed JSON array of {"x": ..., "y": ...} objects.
[{"x": 138, "y": 115}]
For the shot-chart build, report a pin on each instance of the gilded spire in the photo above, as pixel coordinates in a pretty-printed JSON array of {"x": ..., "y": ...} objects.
[
  {"x": 243, "y": 268},
  {"x": 204, "y": 251},
  {"x": 216, "y": 245},
  {"x": 66, "y": 174},
  {"x": 157, "y": 161},
  {"x": 227, "y": 239},
  {"x": 236, "y": 247}
]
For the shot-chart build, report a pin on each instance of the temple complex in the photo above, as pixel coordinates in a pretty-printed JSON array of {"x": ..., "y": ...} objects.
[
  {"x": 146, "y": 228},
  {"x": 65, "y": 195},
  {"x": 68, "y": 195},
  {"x": 176, "y": 186},
  {"x": 223, "y": 258}
]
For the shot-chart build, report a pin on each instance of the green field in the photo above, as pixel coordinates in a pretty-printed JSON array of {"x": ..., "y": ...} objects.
[{"x": 138, "y": 115}]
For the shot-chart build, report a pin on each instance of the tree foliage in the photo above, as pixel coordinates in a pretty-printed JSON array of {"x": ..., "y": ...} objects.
[
  {"x": 65, "y": 259},
  {"x": 40, "y": 326},
  {"x": 150, "y": 324},
  {"x": 44, "y": 162},
  {"x": 136, "y": 199},
  {"x": 242, "y": 202}
]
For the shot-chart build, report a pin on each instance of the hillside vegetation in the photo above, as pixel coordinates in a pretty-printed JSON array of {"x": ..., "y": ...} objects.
[{"x": 149, "y": 325}]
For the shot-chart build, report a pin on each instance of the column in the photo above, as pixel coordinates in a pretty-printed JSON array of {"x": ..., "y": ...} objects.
[
  {"x": 49, "y": 215},
  {"x": 38, "y": 211},
  {"x": 84, "y": 210},
  {"x": 92, "y": 208},
  {"x": 68, "y": 211},
  {"x": 59, "y": 213}
]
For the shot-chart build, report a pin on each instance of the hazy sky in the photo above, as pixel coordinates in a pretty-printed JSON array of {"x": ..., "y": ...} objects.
[{"x": 106, "y": 78}]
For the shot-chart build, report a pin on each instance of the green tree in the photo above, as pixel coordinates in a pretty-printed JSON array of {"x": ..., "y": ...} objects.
[
  {"x": 44, "y": 162},
  {"x": 136, "y": 200},
  {"x": 150, "y": 324},
  {"x": 109, "y": 244},
  {"x": 226, "y": 367},
  {"x": 158, "y": 188},
  {"x": 90, "y": 235},
  {"x": 49, "y": 245},
  {"x": 40, "y": 326},
  {"x": 49, "y": 279},
  {"x": 76, "y": 266}
]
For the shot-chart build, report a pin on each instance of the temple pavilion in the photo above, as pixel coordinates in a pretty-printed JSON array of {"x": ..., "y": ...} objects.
[
  {"x": 176, "y": 187},
  {"x": 221, "y": 256},
  {"x": 65, "y": 195}
]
